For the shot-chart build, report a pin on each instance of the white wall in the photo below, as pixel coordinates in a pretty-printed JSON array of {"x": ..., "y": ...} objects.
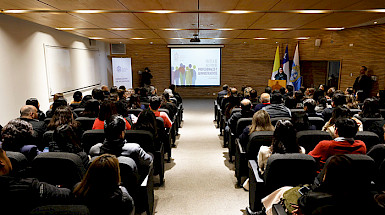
[{"x": 22, "y": 63}]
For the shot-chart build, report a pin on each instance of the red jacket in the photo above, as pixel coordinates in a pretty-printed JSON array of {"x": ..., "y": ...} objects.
[{"x": 166, "y": 120}]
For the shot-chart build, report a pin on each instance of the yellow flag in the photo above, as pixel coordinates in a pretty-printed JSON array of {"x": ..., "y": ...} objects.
[{"x": 277, "y": 64}]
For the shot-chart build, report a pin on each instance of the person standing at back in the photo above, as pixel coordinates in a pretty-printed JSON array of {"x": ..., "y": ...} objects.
[{"x": 363, "y": 82}]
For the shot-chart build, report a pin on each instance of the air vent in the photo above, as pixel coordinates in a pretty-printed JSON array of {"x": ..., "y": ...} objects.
[{"x": 118, "y": 49}]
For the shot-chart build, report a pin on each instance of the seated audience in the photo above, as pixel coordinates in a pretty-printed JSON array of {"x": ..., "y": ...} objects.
[
  {"x": 107, "y": 109},
  {"x": 343, "y": 143},
  {"x": 289, "y": 90},
  {"x": 276, "y": 108},
  {"x": 321, "y": 105},
  {"x": 301, "y": 122},
  {"x": 98, "y": 94},
  {"x": 290, "y": 102},
  {"x": 57, "y": 103},
  {"x": 147, "y": 121},
  {"x": 234, "y": 102},
  {"x": 100, "y": 188},
  {"x": 370, "y": 109},
  {"x": 299, "y": 97},
  {"x": 29, "y": 114},
  {"x": 340, "y": 112},
  {"x": 84, "y": 101},
  {"x": 16, "y": 136},
  {"x": 77, "y": 96},
  {"x": 34, "y": 102},
  {"x": 351, "y": 102},
  {"x": 64, "y": 116},
  {"x": 135, "y": 102},
  {"x": 309, "y": 107},
  {"x": 268, "y": 90},
  {"x": 246, "y": 112},
  {"x": 91, "y": 109},
  {"x": 176, "y": 94},
  {"x": 21, "y": 195},
  {"x": 284, "y": 141},
  {"x": 224, "y": 90},
  {"x": 154, "y": 106},
  {"x": 116, "y": 144},
  {"x": 166, "y": 103},
  {"x": 338, "y": 100},
  {"x": 260, "y": 122},
  {"x": 265, "y": 101},
  {"x": 254, "y": 97}
]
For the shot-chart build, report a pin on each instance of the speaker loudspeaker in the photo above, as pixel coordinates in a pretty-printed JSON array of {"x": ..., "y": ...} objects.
[{"x": 317, "y": 42}]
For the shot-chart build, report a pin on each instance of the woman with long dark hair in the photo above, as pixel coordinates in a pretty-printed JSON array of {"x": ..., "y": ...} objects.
[{"x": 107, "y": 109}]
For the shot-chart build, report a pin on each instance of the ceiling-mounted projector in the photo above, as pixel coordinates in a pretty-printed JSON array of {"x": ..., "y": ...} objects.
[{"x": 195, "y": 39}]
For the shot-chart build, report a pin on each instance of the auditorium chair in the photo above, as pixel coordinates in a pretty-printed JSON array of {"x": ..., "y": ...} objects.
[
  {"x": 136, "y": 111},
  {"x": 369, "y": 138},
  {"x": 318, "y": 122},
  {"x": 146, "y": 104},
  {"x": 354, "y": 111},
  {"x": 382, "y": 112},
  {"x": 281, "y": 170},
  {"x": 61, "y": 210},
  {"x": 86, "y": 123},
  {"x": 377, "y": 153},
  {"x": 276, "y": 119},
  {"x": 367, "y": 122},
  {"x": 294, "y": 110},
  {"x": 47, "y": 120},
  {"x": 20, "y": 164},
  {"x": 164, "y": 136},
  {"x": 310, "y": 138},
  {"x": 58, "y": 168},
  {"x": 250, "y": 151},
  {"x": 146, "y": 140},
  {"x": 91, "y": 138},
  {"x": 172, "y": 129},
  {"x": 380, "y": 179},
  {"x": 74, "y": 106},
  {"x": 77, "y": 111},
  {"x": 47, "y": 138},
  {"x": 241, "y": 125}
]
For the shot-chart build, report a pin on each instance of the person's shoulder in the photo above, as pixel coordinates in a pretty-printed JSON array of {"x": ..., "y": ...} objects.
[
  {"x": 265, "y": 149},
  {"x": 95, "y": 149}
]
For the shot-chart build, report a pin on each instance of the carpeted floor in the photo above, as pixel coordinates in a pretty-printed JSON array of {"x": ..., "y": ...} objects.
[{"x": 199, "y": 179}]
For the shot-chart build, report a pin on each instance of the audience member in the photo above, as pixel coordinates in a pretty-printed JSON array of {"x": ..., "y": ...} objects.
[
  {"x": 338, "y": 100},
  {"x": 91, "y": 109},
  {"x": 61, "y": 101},
  {"x": 34, "y": 102},
  {"x": 154, "y": 106},
  {"x": 224, "y": 90},
  {"x": 77, "y": 96},
  {"x": 298, "y": 96},
  {"x": 16, "y": 136},
  {"x": 64, "y": 116},
  {"x": 290, "y": 102},
  {"x": 147, "y": 121},
  {"x": 309, "y": 107},
  {"x": 260, "y": 122},
  {"x": 254, "y": 97},
  {"x": 268, "y": 90},
  {"x": 29, "y": 114},
  {"x": 321, "y": 105},
  {"x": 246, "y": 112},
  {"x": 166, "y": 103},
  {"x": 234, "y": 102},
  {"x": 351, "y": 102},
  {"x": 301, "y": 122},
  {"x": 289, "y": 90},
  {"x": 370, "y": 109},
  {"x": 343, "y": 143},
  {"x": 265, "y": 101},
  {"x": 176, "y": 94},
  {"x": 340, "y": 112},
  {"x": 85, "y": 99},
  {"x": 363, "y": 82},
  {"x": 100, "y": 188},
  {"x": 98, "y": 94},
  {"x": 276, "y": 108},
  {"x": 135, "y": 102},
  {"x": 21, "y": 195},
  {"x": 107, "y": 109}
]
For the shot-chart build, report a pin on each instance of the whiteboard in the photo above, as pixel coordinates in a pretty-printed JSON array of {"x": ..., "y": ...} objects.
[{"x": 71, "y": 69}]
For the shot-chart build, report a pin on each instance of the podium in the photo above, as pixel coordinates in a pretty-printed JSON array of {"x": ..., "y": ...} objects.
[{"x": 276, "y": 84}]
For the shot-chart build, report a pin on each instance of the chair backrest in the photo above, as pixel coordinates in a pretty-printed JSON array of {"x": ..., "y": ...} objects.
[
  {"x": 377, "y": 153},
  {"x": 144, "y": 138},
  {"x": 129, "y": 174},
  {"x": 78, "y": 111},
  {"x": 19, "y": 163},
  {"x": 289, "y": 170},
  {"x": 92, "y": 137},
  {"x": 367, "y": 122},
  {"x": 74, "y": 106},
  {"x": 369, "y": 138},
  {"x": 146, "y": 104},
  {"x": 276, "y": 119},
  {"x": 61, "y": 210},
  {"x": 47, "y": 120},
  {"x": 354, "y": 111},
  {"x": 317, "y": 121},
  {"x": 47, "y": 138},
  {"x": 234, "y": 110},
  {"x": 164, "y": 110},
  {"x": 86, "y": 122},
  {"x": 256, "y": 140},
  {"x": 381, "y": 176},
  {"x": 136, "y": 111},
  {"x": 309, "y": 139},
  {"x": 58, "y": 168},
  {"x": 382, "y": 112},
  {"x": 241, "y": 124},
  {"x": 297, "y": 110}
]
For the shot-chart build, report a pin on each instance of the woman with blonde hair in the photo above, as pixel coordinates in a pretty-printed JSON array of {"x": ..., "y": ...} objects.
[
  {"x": 261, "y": 122},
  {"x": 100, "y": 190}
]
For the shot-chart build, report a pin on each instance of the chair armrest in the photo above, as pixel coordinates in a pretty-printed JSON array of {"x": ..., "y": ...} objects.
[
  {"x": 278, "y": 210},
  {"x": 254, "y": 167},
  {"x": 147, "y": 178},
  {"x": 240, "y": 148}
]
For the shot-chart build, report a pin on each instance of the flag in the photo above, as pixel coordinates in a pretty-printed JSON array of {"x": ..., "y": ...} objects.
[
  {"x": 276, "y": 64},
  {"x": 285, "y": 63},
  {"x": 295, "y": 77}
]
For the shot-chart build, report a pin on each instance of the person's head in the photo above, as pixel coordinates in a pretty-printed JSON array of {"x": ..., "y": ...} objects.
[
  {"x": 330, "y": 92},
  {"x": 5, "y": 163},
  {"x": 339, "y": 112},
  {"x": 346, "y": 127},
  {"x": 280, "y": 70},
  {"x": 155, "y": 103},
  {"x": 107, "y": 109},
  {"x": 265, "y": 98},
  {"x": 62, "y": 116},
  {"x": 234, "y": 101},
  {"x": 101, "y": 179},
  {"x": 253, "y": 94},
  {"x": 233, "y": 91},
  {"x": 322, "y": 102},
  {"x": 66, "y": 138},
  {"x": 246, "y": 104},
  {"x": 339, "y": 99},
  {"x": 146, "y": 121},
  {"x": 282, "y": 90},
  {"x": 318, "y": 94},
  {"x": 284, "y": 138},
  {"x": 261, "y": 122},
  {"x": 77, "y": 96},
  {"x": 113, "y": 89},
  {"x": 104, "y": 88},
  {"x": 122, "y": 87},
  {"x": 166, "y": 97},
  {"x": 298, "y": 95},
  {"x": 169, "y": 91},
  {"x": 290, "y": 88},
  {"x": 268, "y": 89},
  {"x": 122, "y": 108},
  {"x": 309, "y": 105},
  {"x": 57, "y": 96},
  {"x": 98, "y": 94},
  {"x": 122, "y": 94},
  {"x": 276, "y": 98},
  {"x": 147, "y": 69},
  {"x": 363, "y": 70},
  {"x": 371, "y": 108},
  {"x": 113, "y": 97},
  {"x": 225, "y": 87},
  {"x": 114, "y": 127},
  {"x": 290, "y": 102},
  {"x": 302, "y": 89},
  {"x": 91, "y": 108},
  {"x": 173, "y": 88},
  {"x": 310, "y": 92},
  {"x": 29, "y": 112},
  {"x": 15, "y": 134},
  {"x": 134, "y": 101},
  {"x": 349, "y": 91},
  {"x": 34, "y": 102},
  {"x": 58, "y": 103},
  {"x": 300, "y": 121}
]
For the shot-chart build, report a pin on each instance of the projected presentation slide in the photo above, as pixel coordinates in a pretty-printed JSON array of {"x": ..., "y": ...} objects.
[{"x": 196, "y": 66}]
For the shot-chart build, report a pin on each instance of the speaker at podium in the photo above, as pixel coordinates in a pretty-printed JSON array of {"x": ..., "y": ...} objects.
[{"x": 276, "y": 84}]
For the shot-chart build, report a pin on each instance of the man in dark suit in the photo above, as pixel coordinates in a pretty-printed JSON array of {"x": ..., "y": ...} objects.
[
  {"x": 29, "y": 114},
  {"x": 224, "y": 90},
  {"x": 363, "y": 82}
]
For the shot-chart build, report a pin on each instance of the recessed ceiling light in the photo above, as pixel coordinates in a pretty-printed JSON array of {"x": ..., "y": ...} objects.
[
  {"x": 16, "y": 11},
  {"x": 280, "y": 29},
  {"x": 119, "y": 29},
  {"x": 65, "y": 29},
  {"x": 138, "y": 38},
  {"x": 211, "y": 25},
  {"x": 88, "y": 11},
  {"x": 237, "y": 11},
  {"x": 302, "y": 38},
  {"x": 311, "y": 11},
  {"x": 376, "y": 10},
  {"x": 224, "y": 29},
  {"x": 171, "y": 29},
  {"x": 260, "y": 38},
  {"x": 334, "y": 29},
  {"x": 96, "y": 38},
  {"x": 276, "y": 42},
  {"x": 375, "y": 22},
  {"x": 161, "y": 11},
  {"x": 151, "y": 42}
]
